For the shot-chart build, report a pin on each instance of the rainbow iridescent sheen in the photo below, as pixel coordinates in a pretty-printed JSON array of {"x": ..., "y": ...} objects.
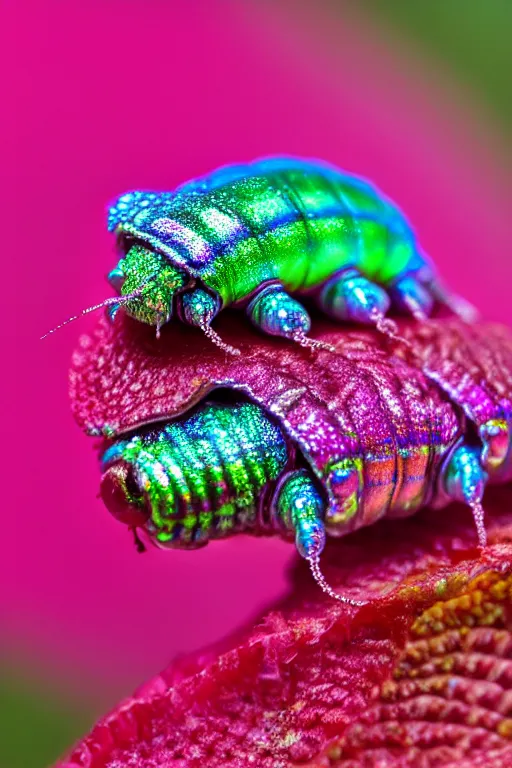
[
  {"x": 280, "y": 219},
  {"x": 301, "y": 508},
  {"x": 214, "y": 473},
  {"x": 205, "y": 476},
  {"x": 312, "y": 445},
  {"x": 142, "y": 267}
]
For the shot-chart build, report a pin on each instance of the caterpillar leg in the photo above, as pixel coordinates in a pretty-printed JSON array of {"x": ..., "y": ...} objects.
[
  {"x": 112, "y": 310},
  {"x": 495, "y": 437},
  {"x": 410, "y": 296},
  {"x": 300, "y": 508},
  {"x": 198, "y": 307},
  {"x": 275, "y": 312},
  {"x": 116, "y": 278},
  {"x": 350, "y": 297},
  {"x": 464, "y": 479}
]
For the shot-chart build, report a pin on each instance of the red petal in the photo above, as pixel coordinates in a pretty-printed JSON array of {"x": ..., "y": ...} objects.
[
  {"x": 419, "y": 677},
  {"x": 123, "y": 376}
]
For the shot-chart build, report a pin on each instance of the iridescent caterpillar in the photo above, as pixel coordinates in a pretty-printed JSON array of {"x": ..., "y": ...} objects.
[
  {"x": 252, "y": 235},
  {"x": 204, "y": 445}
]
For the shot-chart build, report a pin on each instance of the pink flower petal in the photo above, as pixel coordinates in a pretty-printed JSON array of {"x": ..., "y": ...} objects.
[
  {"x": 420, "y": 676},
  {"x": 216, "y": 88}
]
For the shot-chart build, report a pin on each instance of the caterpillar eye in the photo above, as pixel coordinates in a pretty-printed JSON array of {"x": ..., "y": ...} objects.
[{"x": 122, "y": 497}]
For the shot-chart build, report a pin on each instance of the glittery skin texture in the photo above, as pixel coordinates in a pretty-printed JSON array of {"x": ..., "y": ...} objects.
[
  {"x": 198, "y": 307},
  {"x": 420, "y": 677},
  {"x": 159, "y": 279},
  {"x": 281, "y": 219},
  {"x": 278, "y": 314},
  {"x": 353, "y": 298},
  {"x": 373, "y": 427},
  {"x": 206, "y": 476},
  {"x": 475, "y": 372},
  {"x": 301, "y": 508}
]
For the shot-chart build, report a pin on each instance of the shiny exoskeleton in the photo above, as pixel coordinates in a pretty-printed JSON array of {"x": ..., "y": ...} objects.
[
  {"x": 303, "y": 447},
  {"x": 258, "y": 235}
]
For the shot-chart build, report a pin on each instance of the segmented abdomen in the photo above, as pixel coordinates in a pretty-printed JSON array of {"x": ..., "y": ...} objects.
[
  {"x": 298, "y": 223},
  {"x": 397, "y": 428},
  {"x": 279, "y": 219},
  {"x": 206, "y": 477},
  {"x": 371, "y": 426}
]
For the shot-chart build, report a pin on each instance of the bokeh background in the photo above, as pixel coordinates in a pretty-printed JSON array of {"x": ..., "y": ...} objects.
[{"x": 102, "y": 96}]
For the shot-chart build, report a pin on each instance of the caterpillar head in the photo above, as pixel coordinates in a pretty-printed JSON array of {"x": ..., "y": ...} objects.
[
  {"x": 136, "y": 491},
  {"x": 147, "y": 283}
]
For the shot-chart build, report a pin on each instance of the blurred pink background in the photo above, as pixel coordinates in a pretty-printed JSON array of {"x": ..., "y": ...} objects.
[{"x": 105, "y": 97}]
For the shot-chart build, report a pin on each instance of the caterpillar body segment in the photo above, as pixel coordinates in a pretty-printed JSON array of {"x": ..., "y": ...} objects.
[
  {"x": 288, "y": 225},
  {"x": 203, "y": 445}
]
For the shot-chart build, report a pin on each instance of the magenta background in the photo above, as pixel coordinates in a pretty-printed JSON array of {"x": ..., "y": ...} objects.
[{"x": 108, "y": 96}]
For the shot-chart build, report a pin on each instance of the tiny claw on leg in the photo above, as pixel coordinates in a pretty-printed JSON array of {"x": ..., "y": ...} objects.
[
  {"x": 198, "y": 308},
  {"x": 350, "y": 297},
  {"x": 276, "y": 313}
]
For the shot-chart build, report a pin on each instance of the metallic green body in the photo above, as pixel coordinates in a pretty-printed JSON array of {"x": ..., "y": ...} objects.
[
  {"x": 205, "y": 477},
  {"x": 283, "y": 220},
  {"x": 304, "y": 253}
]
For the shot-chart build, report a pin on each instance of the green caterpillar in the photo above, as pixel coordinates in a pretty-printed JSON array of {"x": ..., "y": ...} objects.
[{"x": 258, "y": 236}]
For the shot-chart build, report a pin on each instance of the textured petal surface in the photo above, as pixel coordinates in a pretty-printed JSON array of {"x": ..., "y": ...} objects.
[
  {"x": 123, "y": 376},
  {"x": 419, "y": 677},
  {"x": 220, "y": 87},
  {"x": 372, "y": 393}
]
